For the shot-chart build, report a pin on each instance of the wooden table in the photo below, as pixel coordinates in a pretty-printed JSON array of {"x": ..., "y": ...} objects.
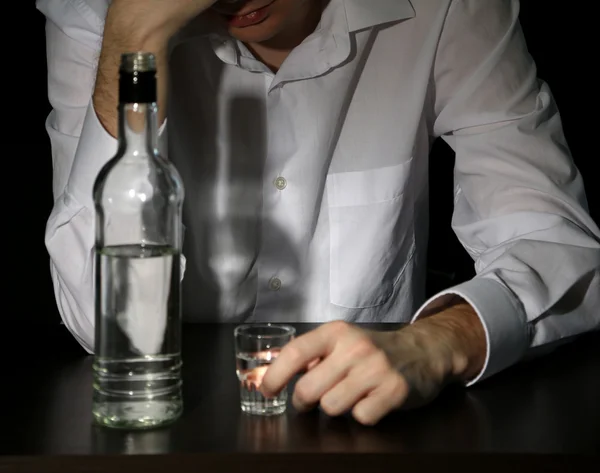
[{"x": 543, "y": 415}]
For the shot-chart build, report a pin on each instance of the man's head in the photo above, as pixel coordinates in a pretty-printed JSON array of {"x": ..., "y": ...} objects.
[{"x": 260, "y": 21}]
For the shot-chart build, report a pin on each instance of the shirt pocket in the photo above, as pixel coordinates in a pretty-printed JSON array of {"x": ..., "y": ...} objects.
[{"x": 371, "y": 233}]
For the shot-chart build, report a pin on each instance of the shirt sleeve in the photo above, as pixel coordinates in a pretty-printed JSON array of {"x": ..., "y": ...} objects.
[
  {"x": 80, "y": 147},
  {"x": 519, "y": 206}
]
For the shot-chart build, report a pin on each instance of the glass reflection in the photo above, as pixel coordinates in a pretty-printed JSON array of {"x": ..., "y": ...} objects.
[{"x": 150, "y": 442}]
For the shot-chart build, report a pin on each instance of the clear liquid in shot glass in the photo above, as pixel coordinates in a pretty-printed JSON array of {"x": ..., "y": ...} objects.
[{"x": 250, "y": 369}]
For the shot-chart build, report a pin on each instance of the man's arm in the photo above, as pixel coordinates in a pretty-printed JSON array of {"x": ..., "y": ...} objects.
[
  {"x": 80, "y": 142},
  {"x": 520, "y": 211},
  {"x": 134, "y": 25},
  {"x": 73, "y": 39},
  {"x": 520, "y": 207}
]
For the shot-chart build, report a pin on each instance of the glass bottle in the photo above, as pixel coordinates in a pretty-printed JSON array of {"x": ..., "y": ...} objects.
[{"x": 138, "y": 197}]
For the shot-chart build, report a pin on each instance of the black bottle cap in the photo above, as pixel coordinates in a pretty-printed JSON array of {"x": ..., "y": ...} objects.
[{"x": 137, "y": 78}]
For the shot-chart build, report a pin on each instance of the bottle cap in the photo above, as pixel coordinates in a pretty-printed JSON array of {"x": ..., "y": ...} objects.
[{"x": 138, "y": 62}]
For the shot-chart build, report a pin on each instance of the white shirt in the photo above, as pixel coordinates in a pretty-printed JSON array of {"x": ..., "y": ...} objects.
[{"x": 307, "y": 190}]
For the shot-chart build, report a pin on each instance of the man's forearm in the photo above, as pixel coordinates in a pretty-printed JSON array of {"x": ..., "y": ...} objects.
[{"x": 106, "y": 91}]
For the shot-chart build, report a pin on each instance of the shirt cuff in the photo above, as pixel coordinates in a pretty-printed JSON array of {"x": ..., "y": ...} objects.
[
  {"x": 503, "y": 319},
  {"x": 95, "y": 148}
]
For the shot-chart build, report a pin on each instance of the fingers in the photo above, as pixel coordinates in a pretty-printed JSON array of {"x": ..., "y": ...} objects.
[
  {"x": 344, "y": 370},
  {"x": 295, "y": 357},
  {"x": 341, "y": 397},
  {"x": 318, "y": 380},
  {"x": 373, "y": 377},
  {"x": 388, "y": 396}
]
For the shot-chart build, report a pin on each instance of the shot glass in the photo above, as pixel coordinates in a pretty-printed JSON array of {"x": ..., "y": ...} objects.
[{"x": 256, "y": 347}]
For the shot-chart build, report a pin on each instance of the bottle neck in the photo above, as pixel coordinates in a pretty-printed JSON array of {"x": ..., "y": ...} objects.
[
  {"x": 138, "y": 134},
  {"x": 137, "y": 113}
]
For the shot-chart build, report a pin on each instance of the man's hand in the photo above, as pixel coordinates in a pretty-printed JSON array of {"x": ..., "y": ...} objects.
[
  {"x": 138, "y": 25},
  {"x": 373, "y": 373}
]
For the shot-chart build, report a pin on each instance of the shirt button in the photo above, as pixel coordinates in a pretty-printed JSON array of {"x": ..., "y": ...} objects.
[
  {"x": 275, "y": 284},
  {"x": 280, "y": 183}
]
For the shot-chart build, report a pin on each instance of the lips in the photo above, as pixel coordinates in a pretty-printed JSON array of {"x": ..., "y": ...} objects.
[{"x": 240, "y": 18}]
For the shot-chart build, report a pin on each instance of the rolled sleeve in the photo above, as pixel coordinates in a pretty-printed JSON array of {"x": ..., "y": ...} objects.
[
  {"x": 96, "y": 147},
  {"x": 70, "y": 228}
]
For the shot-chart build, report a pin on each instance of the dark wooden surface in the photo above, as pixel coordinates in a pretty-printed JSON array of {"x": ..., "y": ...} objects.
[{"x": 532, "y": 417}]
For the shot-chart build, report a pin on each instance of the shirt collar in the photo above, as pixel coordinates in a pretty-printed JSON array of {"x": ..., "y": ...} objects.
[
  {"x": 363, "y": 14},
  {"x": 359, "y": 15}
]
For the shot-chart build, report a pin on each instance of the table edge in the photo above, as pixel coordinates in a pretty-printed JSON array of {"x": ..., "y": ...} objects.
[{"x": 301, "y": 462}]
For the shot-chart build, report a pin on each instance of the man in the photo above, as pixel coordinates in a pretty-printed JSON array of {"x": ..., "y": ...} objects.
[{"x": 302, "y": 130}]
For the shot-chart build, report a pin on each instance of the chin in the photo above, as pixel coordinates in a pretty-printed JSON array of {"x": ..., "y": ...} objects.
[{"x": 257, "y": 33}]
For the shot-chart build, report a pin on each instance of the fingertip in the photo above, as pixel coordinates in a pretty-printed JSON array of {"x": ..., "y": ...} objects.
[
  {"x": 364, "y": 417},
  {"x": 301, "y": 407},
  {"x": 265, "y": 390}
]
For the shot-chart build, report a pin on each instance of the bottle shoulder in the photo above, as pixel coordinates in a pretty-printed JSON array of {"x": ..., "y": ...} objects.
[{"x": 138, "y": 178}]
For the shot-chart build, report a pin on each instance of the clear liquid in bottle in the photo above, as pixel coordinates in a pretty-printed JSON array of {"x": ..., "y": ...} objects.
[{"x": 137, "y": 366}]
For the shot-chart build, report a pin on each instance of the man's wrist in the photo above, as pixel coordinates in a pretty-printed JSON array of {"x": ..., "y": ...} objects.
[
  {"x": 105, "y": 94},
  {"x": 133, "y": 30},
  {"x": 459, "y": 324}
]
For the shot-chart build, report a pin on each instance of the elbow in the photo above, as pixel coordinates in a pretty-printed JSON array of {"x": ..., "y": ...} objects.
[
  {"x": 69, "y": 241},
  {"x": 77, "y": 320}
]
